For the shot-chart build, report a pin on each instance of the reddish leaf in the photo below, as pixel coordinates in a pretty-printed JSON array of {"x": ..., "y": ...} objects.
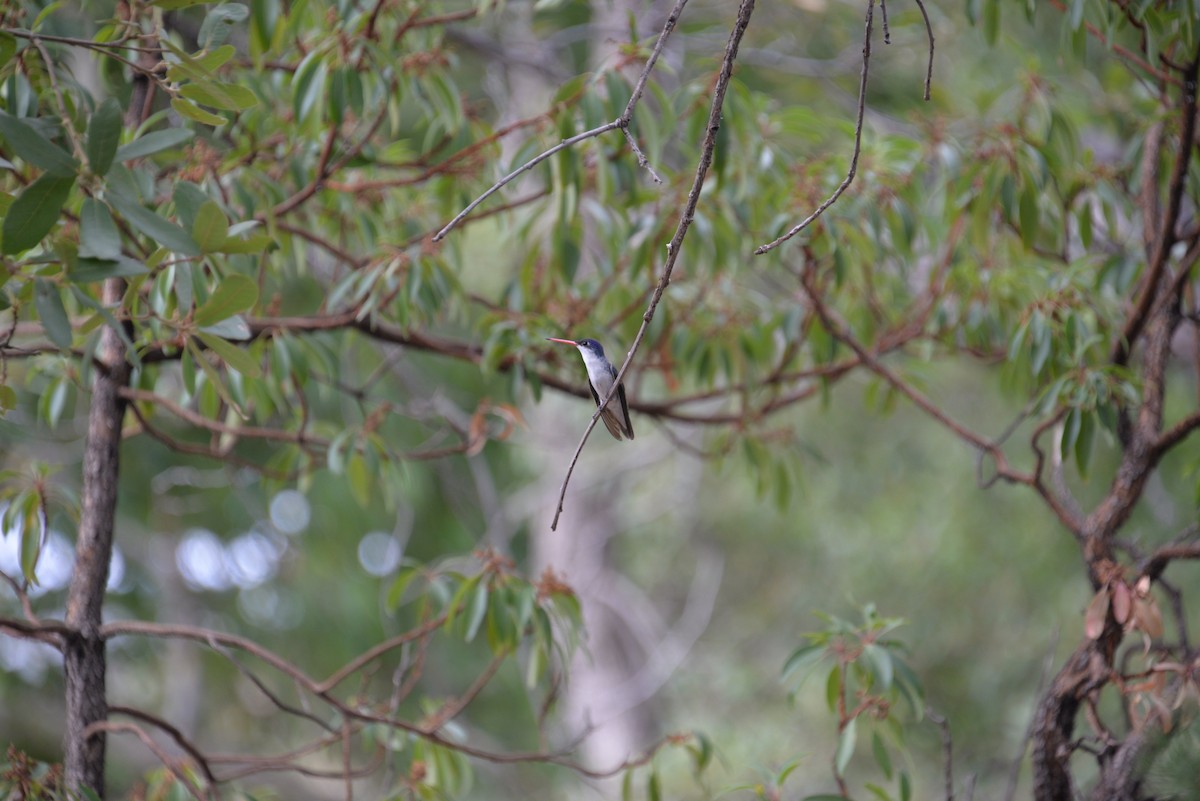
[
  {"x": 1097, "y": 611},
  {"x": 1120, "y": 602}
]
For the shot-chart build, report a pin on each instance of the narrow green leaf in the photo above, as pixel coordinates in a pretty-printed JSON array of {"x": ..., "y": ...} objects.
[
  {"x": 28, "y": 143},
  {"x": 802, "y": 660},
  {"x": 845, "y": 747},
  {"x": 224, "y": 96},
  {"x": 161, "y": 230},
  {"x": 210, "y": 229},
  {"x": 1084, "y": 442},
  {"x": 214, "y": 378},
  {"x": 44, "y": 14},
  {"x": 52, "y": 313},
  {"x": 33, "y": 214},
  {"x": 256, "y": 243},
  {"x": 98, "y": 235},
  {"x": 881, "y": 755},
  {"x": 154, "y": 142},
  {"x": 103, "y": 134},
  {"x": 880, "y": 662},
  {"x": 991, "y": 21},
  {"x": 360, "y": 479},
  {"x": 173, "y": 5},
  {"x": 235, "y": 294},
  {"x": 8, "y": 47},
  {"x": 456, "y": 602},
  {"x": 479, "y": 605},
  {"x": 905, "y": 786},
  {"x": 833, "y": 687},
  {"x": 1027, "y": 211},
  {"x": 215, "y": 59},
  {"x": 395, "y": 595},
  {"x": 237, "y": 358},
  {"x": 187, "y": 108},
  {"x": 653, "y": 787}
]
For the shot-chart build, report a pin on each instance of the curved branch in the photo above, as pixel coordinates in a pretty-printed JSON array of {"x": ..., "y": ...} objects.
[
  {"x": 685, "y": 221},
  {"x": 858, "y": 128},
  {"x": 622, "y": 122}
]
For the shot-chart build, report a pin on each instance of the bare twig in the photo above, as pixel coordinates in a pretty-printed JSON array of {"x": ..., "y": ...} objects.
[
  {"x": 928, "y": 33},
  {"x": 183, "y": 742},
  {"x": 858, "y": 128},
  {"x": 947, "y": 750},
  {"x": 181, "y": 776},
  {"x": 622, "y": 122},
  {"x": 685, "y": 222}
]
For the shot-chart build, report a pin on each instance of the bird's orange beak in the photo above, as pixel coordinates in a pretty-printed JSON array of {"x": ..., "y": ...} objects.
[{"x": 563, "y": 341}]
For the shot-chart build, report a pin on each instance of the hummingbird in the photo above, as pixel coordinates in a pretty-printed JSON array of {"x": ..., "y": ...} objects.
[{"x": 601, "y": 375}]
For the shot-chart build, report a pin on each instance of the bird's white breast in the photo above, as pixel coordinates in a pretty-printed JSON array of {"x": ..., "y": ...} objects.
[{"x": 597, "y": 368}]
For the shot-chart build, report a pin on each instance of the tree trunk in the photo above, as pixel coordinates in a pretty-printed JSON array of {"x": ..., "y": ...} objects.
[{"x": 83, "y": 652}]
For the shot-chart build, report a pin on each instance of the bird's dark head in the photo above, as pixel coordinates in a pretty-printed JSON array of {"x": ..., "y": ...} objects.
[{"x": 592, "y": 345}]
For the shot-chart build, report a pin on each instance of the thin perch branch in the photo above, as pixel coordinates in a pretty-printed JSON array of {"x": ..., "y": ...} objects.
[
  {"x": 685, "y": 222},
  {"x": 858, "y": 128}
]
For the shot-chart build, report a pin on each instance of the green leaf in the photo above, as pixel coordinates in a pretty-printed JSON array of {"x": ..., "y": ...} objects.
[
  {"x": 219, "y": 24},
  {"x": 653, "y": 787},
  {"x": 360, "y": 479},
  {"x": 833, "y": 687},
  {"x": 880, "y": 662},
  {"x": 216, "y": 59},
  {"x": 172, "y": 5},
  {"x": 211, "y": 229},
  {"x": 881, "y": 755},
  {"x": 8, "y": 47},
  {"x": 34, "y": 212},
  {"x": 1084, "y": 442},
  {"x": 395, "y": 595},
  {"x": 98, "y": 235},
  {"x": 28, "y": 143},
  {"x": 87, "y": 270},
  {"x": 154, "y": 142},
  {"x": 234, "y": 328},
  {"x": 235, "y": 294},
  {"x": 103, "y": 134},
  {"x": 161, "y": 230},
  {"x": 257, "y": 243},
  {"x": 802, "y": 660},
  {"x": 845, "y": 747},
  {"x": 479, "y": 605},
  {"x": 188, "y": 199},
  {"x": 237, "y": 358},
  {"x": 187, "y": 108},
  {"x": 52, "y": 313},
  {"x": 225, "y": 96},
  {"x": 44, "y": 14},
  {"x": 991, "y": 21},
  {"x": 905, "y": 786},
  {"x": 1027, "y": 212},
  {"x": 213, "y": 376}
]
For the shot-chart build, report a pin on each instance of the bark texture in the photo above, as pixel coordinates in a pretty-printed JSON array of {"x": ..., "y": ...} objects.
[{"x": 83, "y": 652}]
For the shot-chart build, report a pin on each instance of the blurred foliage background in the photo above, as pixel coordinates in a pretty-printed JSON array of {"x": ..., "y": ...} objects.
[{"x": 704, "y": 551}]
